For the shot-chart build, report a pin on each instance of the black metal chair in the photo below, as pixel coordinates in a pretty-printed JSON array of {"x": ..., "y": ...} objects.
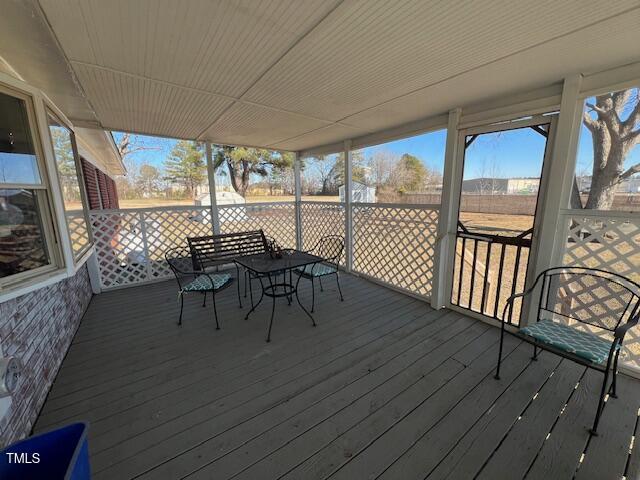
[
  {"x": 575, "y": 303},
  {"x": 330, "y": 248},
  {"x": 182, "y": 262}
]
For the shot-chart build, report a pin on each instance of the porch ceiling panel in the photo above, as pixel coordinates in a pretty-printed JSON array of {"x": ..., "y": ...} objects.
[
  {"x": 368, "y": 52},
  {"x": 221, "y": 46},
  {"x": 513, "y": 74},
  {"x": 321, "y": 136},
  {"x": 302, "y": 73},
  {"x": 130, "y": 103},
  {"x": 246, "y": 124}
]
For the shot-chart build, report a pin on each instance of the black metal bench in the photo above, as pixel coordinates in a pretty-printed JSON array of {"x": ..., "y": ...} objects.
[{"x": 213, "y": 251}]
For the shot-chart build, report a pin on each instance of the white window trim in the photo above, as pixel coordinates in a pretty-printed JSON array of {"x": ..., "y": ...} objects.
[
  {"x": 62, "y": 263},
  {"x": 52, "y": 111}
]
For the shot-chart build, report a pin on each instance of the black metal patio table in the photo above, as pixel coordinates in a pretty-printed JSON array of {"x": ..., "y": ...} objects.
[{"x": 269, "y": 266}]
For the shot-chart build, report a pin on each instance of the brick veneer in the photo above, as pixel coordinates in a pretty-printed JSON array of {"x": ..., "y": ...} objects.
[{"x": 38, "y": 328}]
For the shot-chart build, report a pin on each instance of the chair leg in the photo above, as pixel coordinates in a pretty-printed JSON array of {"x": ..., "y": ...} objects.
[
  {"x": 238, "y": 277},
  {"x": 320, "y": 280},
  {"x": 215, "y": 311},
  {"x": 497, "y": 375},
  {"x": 246, "y": 272},
  {"x": 313, "y": 295},
  {"x": 535, "y": 354},
  {"x": 613, "y": 393},
  {"x": 181, "y": 308},
  {"x": 339, "y": 289},
  {"x": 603, "y": 393},
  {"x": 204, "y": 300}
]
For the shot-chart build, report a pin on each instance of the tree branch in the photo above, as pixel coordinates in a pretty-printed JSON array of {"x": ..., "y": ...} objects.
[
  {"x": 589, "y": 122},
  {"x": 605, "y": 108},
  {"x": 634, "y": 118},
  {"x": 629, "y": 172}
]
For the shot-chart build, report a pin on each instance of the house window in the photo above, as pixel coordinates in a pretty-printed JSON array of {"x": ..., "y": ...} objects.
[
  {"x": 71, "y": 184},
  {"x": 26, "y": 235}
]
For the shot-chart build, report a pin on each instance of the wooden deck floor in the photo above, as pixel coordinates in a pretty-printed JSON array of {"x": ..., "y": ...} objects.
[{"x": 384, "y": 387}]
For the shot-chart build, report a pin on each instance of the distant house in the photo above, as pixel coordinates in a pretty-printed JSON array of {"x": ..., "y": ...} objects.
[
  {"x": 630, "y": 185},
  {"x": 360, "y": 193},
  {"x": 501, "y": 186}
]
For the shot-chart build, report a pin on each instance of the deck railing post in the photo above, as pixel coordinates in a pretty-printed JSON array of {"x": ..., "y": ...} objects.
[
  {"x": 348, "y": 213},
  {"x": 145, "y": 244},
  {"x": 298, "y": 200},
  {"x": 445, "y": 248},
  {"x": 211, "y": 175}
]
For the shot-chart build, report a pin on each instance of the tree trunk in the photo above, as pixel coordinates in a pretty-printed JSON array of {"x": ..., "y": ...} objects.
[{"x": 607, "y": 166}]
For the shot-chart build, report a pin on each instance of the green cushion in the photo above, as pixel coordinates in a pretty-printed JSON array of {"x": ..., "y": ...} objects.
[
  {"x": 317, "y": 270},
  {"x": 202, "y": 283},
  {"x": 569, "y": 339}
]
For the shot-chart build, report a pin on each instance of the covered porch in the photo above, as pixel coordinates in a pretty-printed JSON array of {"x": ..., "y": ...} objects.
[
  {"x": 383, "y": 387},
  {"x": 396, "y": 381}
]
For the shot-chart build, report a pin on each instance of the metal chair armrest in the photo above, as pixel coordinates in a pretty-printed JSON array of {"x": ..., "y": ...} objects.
[
  {"x": 512, "y": 298},
  {"x": 622, "y": 330}
]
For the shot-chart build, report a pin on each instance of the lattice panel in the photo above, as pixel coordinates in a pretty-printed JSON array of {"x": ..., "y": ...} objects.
[
  {"x": 276, "y": 219},
  {"x": 320, "y": 219},
  {"x": 168, "y": 228},
  {"x": 120, "y": 247},
  {"x": 608, "y": 241},
  {"x": 396, "y": 244},
  {"x": 77, "y": 231},
  {"x": 131, "y": 244}
]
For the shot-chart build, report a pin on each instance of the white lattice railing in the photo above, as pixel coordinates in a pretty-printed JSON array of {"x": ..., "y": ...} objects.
[
  {"x": 395, "y": 244},
  {"x": 319, "y": 219},
  {"x": 392, "y": 243},
  {"x": 276, "y": 219},
  {"x": 608, "y": 241},
  {"x": 78, "y": 231},
  {"x": 130, "y": 244}
]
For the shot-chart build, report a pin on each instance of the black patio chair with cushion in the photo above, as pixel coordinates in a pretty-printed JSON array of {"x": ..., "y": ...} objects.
[
  {"x": 330, "y": 248},
  {"x": 583, "y": 314},
  {"x": 191, "y": 280}
]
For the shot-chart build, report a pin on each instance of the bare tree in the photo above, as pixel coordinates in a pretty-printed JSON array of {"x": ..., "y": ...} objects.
[{"x": 613, "y": 138}]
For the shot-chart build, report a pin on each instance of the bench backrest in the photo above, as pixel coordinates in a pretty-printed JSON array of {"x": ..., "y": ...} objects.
[{"x": 213, "y": 250}]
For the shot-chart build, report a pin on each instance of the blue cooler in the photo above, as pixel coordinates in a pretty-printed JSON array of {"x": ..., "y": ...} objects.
[{"x": 61, "y": 454}]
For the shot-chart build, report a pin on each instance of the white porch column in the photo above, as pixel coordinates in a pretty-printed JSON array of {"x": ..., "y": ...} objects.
[
  {"x": 561, "y": 168},
  {"x": 551, "y": 235},
  {"x": 348, "y": 214},
  {"x": 215, "y": 219},
  {"x": 298, "y": 199},
  {"x": 445, "y": 249}
]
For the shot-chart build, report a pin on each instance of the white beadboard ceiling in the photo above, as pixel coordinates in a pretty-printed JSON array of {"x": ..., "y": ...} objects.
[{"x": 294, "y": 74}]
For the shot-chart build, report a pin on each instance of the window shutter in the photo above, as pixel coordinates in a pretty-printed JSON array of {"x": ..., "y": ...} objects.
[{"x": 91, "y": 184}]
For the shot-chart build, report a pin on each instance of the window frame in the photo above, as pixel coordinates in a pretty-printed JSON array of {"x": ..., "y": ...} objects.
[
  {"x": 53, "y": 113},
  {"x": 45, "y": 202}
]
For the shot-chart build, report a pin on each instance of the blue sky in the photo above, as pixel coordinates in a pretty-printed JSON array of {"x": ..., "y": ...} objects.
[{"x": 515, "y": 153}]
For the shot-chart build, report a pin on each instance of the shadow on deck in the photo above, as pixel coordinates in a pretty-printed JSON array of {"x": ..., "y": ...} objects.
[{"x": 384, "y": 387}]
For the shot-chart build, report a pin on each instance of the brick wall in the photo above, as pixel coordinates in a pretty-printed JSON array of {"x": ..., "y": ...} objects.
[{"x": 38, "y": 328}]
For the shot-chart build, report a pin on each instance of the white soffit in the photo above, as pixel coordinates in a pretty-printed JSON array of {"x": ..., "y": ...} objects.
[
  {"x": 281, "y": 72},
  {"x": 98, "y": 147}
]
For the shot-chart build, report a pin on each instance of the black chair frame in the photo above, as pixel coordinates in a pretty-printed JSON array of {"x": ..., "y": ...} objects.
[
  {"x": 627, "y": 320},
  {"x": 181, "y": 261},
  {"x": 330, "y": 248}
]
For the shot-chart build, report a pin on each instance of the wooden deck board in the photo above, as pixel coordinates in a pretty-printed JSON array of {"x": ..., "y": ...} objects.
[{"x": 384, "y": 387}]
